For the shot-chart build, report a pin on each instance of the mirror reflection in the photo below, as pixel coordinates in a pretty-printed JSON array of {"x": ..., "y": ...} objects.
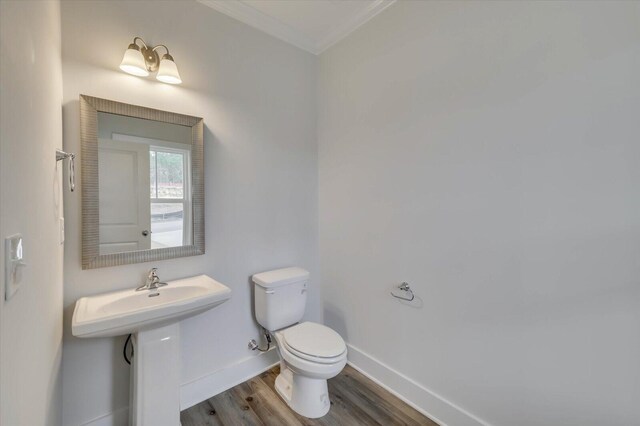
[{"x": 144, "y": 175}]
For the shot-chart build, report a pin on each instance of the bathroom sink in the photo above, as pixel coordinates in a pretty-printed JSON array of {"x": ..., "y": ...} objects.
[{"x": 131, "y": 311}]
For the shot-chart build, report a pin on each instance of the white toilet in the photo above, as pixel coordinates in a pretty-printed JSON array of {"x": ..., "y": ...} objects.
[{"x": 310, "y": 353}]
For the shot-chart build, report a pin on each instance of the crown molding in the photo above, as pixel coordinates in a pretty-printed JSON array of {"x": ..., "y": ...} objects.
[
  {"x": 341, "y": 31},
  {"x": 253, "y": 17},
  {"x": 276, "y": 28}
]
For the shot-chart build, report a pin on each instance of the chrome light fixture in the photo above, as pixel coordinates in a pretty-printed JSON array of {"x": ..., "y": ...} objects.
[{"x": 141, "y": 60}]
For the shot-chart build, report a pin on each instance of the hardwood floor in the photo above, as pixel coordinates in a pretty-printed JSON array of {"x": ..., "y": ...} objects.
[{"x": 355, "y": 400}]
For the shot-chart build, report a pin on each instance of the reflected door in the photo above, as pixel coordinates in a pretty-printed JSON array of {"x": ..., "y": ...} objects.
[{"x": 125, "y": 204}]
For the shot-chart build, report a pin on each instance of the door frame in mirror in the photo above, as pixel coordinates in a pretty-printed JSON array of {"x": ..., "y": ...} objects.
[{"x": 91, "y": 257}]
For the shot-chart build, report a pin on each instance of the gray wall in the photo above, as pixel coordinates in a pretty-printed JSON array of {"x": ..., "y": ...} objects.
[
  {"x": 31, "y": 204},
  {"x": 257, "y": 98},
  {"x": 487, "y": 152}
]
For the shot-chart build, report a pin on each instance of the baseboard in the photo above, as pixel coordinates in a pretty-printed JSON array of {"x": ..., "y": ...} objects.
[
  {"x": 196, "y": 391},
  {"x": 416, "y": 395},
  {"x": 120, "y": 417},
  {"x": 419, "y": 397}
]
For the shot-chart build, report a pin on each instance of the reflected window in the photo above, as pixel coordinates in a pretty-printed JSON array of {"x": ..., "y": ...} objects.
[{"x": 169, "y": 197}]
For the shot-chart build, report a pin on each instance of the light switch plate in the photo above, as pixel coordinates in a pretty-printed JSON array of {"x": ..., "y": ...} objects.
[
  {"x": 13, "y": 264},
  {"x": 61, "y": 224}
]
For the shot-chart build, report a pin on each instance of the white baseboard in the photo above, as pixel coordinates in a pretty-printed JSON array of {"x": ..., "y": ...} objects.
[
  {"x": 417, "y": 396},
  {"x": 196, "y": 391},
  {"x": 120, "y": 417}
]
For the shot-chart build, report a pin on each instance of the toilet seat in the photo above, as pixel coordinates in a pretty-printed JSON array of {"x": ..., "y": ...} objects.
[
  {"x": 317, "y": 360},
  {"x": 314, "y": 342}
]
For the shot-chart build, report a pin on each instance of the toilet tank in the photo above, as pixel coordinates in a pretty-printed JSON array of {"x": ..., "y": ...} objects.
[{"x": 280, "y": 297}]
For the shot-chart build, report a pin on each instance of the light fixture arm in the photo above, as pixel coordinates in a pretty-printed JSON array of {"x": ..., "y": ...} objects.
[
  {"x": 166, "y": 55},
  {"x": 141, "y": 40},
  {"x": 151, "y": 58},
  {"x": 161, "y": 45}
]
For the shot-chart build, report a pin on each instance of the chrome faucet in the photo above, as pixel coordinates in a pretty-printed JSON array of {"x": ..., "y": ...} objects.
[{"x": 153, "y": 281}]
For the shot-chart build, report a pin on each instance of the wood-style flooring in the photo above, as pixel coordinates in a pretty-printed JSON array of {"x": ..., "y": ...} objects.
[{"x": 355, "y": 400}]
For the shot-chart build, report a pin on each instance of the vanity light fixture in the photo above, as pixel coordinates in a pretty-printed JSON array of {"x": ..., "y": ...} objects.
[{"x": 141, "y": 60}]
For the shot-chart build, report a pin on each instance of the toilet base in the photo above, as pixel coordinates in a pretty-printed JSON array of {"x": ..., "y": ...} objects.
[{"x": 306, "y": 396}]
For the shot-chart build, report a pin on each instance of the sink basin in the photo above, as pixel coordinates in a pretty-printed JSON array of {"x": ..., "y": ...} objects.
[
  {"x": 130, "y": 311},
  {"x": 152, "y": 317}
]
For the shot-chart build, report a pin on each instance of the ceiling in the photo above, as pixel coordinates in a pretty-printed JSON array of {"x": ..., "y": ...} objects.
[{"x": 312, "y": 25}]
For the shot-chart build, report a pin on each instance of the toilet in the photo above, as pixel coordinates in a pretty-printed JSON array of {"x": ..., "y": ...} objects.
[{"x": 310, "y": 353}]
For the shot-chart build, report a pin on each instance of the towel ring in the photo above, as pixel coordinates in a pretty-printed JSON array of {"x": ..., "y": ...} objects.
[
  {"x": 61, "y": 156},
  {"x": 407, "y": 291}
]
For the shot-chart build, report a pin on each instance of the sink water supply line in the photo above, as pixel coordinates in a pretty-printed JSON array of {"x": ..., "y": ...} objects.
[{"x": 124, "y": 350}]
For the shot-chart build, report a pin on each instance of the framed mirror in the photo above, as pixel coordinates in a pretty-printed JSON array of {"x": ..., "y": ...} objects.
[{"x": 142, "y": 184}]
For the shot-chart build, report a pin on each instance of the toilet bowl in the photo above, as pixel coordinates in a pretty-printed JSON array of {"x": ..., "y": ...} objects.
[{"x": 310, "y": 353}]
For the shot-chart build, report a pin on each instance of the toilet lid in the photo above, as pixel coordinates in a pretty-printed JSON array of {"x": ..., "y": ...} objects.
[{"x": 315, "y": 340}]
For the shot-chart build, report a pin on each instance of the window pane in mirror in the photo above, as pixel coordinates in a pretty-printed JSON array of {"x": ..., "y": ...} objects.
[
  {"x": 170, "y": 174},
  {"x": 166, "y": 225},
  {"x": 152, "y": 169}
]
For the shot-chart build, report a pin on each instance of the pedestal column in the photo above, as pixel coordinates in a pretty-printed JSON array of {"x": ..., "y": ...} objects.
[{"x": 155, "y": 377}]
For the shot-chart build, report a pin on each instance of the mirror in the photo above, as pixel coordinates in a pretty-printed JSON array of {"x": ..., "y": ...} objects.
[
  {"x": 142, "y": 184},
  {"x": 144, "y": 180}
]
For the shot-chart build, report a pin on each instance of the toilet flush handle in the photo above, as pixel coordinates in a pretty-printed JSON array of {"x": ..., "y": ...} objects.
[{"x": 269, "y": 291}]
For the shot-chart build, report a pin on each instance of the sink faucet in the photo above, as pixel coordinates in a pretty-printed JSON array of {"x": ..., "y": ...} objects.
[{"x": 153, "y": 281}]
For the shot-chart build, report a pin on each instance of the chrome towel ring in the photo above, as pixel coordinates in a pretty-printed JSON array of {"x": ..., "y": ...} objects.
[
  {"x": 61, "y": 156},
  {"x": 407, "y": 292}
]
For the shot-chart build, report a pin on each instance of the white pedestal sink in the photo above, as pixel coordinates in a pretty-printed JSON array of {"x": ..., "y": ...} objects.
[{"x": 152, "y": 316}]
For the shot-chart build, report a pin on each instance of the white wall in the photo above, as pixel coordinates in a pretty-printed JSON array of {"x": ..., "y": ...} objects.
[
  {"x": 30, "y": 204},
  {"x": 257, "y": 98},
  {"x": 487, "y": 153}
]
